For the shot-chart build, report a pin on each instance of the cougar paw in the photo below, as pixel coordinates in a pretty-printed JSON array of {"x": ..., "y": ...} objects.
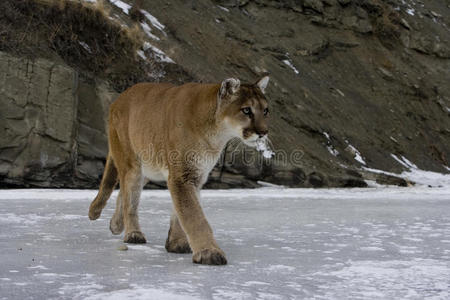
[
  {"x": 135, "y": 237},
  {"x": 209, "y": 257},
  {"x": 94, "y": 212},
  {"x": 178, "y": 246},
  {"x": 116, "y": 226}
]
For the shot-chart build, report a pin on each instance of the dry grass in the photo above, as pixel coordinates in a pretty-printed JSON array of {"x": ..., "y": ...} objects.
[
  {"x": 135, "y": 11},
  {"x": 80, "y": 33},
  {"x": 386, "y": 22}
]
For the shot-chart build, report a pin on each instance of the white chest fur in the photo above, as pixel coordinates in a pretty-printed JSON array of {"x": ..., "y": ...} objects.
[{"x": 153, "y": 174}]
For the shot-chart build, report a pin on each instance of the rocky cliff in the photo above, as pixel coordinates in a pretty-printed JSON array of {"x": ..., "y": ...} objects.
[{"x": 355, "y": 85}]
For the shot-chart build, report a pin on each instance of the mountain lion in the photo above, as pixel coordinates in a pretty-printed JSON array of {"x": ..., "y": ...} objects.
[{"x": 163, "y": 132}]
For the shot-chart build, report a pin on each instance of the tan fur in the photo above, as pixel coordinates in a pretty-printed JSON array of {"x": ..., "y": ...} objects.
[{"x": 175, "y": 133}]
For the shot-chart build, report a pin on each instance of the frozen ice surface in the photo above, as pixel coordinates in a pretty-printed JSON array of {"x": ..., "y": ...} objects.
[{"x": 382, "y": 243}]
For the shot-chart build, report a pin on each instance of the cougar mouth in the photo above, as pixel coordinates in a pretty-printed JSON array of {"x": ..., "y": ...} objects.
[
  {"x": 249, "y": 137},
  {"x": 247, "y": 133},
  {"x": 261, "y": 144},
  {"x": 251, "y": 142}
]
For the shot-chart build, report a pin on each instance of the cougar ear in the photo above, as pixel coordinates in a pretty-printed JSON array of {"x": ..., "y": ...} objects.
[
  {"x": 229, "y": 87},
  {"x": 262, "y": 83}
]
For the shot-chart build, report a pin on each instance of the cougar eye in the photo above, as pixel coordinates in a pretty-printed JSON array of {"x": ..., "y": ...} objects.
[
  {"x": 247, "y": 111},
  {"x": 266, "y": 111}
]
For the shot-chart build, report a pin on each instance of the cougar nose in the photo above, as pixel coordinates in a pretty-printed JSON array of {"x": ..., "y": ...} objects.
[{"x": 262, "y": 132}]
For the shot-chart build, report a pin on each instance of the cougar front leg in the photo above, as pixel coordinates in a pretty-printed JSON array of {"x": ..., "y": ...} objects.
[
  {"x": 194, "y": 223},
  {"x": 177, "y": 241},
  {"x": 132, "y": 186}
]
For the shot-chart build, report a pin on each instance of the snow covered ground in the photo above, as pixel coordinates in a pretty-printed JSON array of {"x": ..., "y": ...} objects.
[{"x": 377, "y": 243}]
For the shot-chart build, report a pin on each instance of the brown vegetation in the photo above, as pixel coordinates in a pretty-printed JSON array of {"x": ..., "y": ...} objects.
[
  {"x": 81, "y": 34},
  {"x": 135, "y": 11}
]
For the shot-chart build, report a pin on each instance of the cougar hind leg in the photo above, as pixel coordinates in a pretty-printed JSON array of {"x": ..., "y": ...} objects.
[
  {"x": 131, "y": 192},
  {"x": 131, "y": 183}
]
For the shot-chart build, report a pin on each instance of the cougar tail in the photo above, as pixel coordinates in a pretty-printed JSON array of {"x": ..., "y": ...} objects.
[{"x": 109, "y": 181}]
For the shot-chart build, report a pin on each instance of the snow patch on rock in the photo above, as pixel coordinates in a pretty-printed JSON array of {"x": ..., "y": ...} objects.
[
  {"x": 357, "y": 155},
  {"x": 148, "y": 31},
  {"x": 160, "y": 55},
  {"x": 154, "y": 21},
  {"x": 404, "y": 162},
  {"x": 414, "y": 174},
  {"x": 288, "y": 63},
  {"x": 141, "y": 54},
  {"x": 329, "y": 146},
  {"x": 85, "y": 46},
  {"x": 411, "y": 11},
  {"x": 122, "y": 5},
  {"x": 223, "y": 8}
]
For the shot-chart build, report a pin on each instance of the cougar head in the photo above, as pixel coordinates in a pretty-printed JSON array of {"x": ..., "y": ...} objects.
[{"x": 245, "y": 109}]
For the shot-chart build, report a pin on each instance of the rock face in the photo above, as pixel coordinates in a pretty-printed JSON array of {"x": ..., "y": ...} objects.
[
  {"x": 354, "y": 84},
  {"x": 52, "y": 124}
]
